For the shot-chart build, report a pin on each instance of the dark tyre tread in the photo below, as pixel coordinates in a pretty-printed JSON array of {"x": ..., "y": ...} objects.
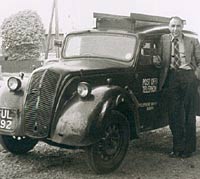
[
  {"x": 106, "y": 164},
  {"x": 17, "y": 145}
]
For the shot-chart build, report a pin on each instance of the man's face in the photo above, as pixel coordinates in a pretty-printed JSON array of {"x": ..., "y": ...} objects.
[{"x": 176, "y": 27}]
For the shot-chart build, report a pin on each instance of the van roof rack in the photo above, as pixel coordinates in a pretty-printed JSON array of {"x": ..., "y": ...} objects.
[
  {"x": 110, "y": 21},
  {"x": 131, "y": 23}
]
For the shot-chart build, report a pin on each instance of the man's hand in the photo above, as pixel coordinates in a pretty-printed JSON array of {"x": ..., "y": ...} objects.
[
  {"x": 197, "y": 73},
  {"x": 157, "y": 61}
]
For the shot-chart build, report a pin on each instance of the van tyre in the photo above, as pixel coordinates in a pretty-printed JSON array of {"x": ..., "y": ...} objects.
[
  {"x": 107, "y": 154},
  {"x": 17, "y": 145}
]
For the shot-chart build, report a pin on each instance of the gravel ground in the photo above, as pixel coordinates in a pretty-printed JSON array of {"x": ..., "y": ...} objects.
[{"x": 147, "y": 158}]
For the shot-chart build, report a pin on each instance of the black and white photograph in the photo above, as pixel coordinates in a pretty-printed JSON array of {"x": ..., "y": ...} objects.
[{"x": 99, "y": 89}]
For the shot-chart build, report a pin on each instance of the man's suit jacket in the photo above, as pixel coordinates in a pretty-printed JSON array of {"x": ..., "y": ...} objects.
[{"x": 192, "y": 54}]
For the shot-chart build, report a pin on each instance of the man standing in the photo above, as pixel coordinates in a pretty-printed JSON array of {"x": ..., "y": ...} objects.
[{"x": 180, "y": 58}]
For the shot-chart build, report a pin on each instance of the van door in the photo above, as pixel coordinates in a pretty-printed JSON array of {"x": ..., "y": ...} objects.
[{"x": 147, "y": 84}]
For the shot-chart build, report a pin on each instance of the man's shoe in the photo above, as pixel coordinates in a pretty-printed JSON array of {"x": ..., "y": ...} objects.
[
  {"x": 175, "y": 154},
  {"x": 186, "y": 154}
]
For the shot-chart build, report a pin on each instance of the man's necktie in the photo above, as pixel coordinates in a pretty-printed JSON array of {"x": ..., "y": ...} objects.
[{"x": 177, "y": 60}]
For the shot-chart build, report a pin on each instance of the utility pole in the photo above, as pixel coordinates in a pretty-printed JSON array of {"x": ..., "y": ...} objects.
[{"x": 54, "y": 8}]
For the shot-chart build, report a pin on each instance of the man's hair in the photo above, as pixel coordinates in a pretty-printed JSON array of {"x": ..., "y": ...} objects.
[{"x": 177, "y": 18}]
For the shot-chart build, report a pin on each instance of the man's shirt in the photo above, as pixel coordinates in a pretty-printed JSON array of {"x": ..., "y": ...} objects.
[{"x": 184, "y": 64}]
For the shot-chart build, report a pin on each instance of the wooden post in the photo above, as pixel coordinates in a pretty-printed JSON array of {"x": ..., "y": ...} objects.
[
  {"x": 57, "y": 28},
  {"x": 50, "y": 29},
  {"x": 1, "y": 75}
]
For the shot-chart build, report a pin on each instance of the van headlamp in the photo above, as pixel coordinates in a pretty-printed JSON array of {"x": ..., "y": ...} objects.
[
  {"x": 14, "y": 83},
  {"x": 84, "y": 89}
]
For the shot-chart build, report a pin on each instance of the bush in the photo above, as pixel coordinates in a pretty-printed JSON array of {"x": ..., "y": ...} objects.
[{"x": 22, "y": 36}]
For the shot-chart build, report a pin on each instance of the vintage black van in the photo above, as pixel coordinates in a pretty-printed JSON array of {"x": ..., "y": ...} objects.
[{"x": 100, "y": 95}]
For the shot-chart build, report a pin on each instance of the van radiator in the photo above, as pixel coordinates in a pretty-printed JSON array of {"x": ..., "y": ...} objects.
[{"x": 39, "y": 103}]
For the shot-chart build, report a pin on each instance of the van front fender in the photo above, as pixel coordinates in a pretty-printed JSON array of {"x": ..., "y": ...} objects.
[
  {"x": 12, "y": 100},
  {"x": 80, "y": 122}
]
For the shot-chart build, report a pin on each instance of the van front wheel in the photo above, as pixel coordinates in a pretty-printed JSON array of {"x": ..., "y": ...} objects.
[
  {"x": 17, "y": 144},
  {"x": 107, "y": 154}
]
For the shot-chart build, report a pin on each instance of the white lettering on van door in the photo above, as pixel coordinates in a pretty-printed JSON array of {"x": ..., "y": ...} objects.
[{"x": 149, "y": 85}]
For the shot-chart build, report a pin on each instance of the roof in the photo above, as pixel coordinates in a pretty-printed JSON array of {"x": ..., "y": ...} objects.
[
  {"x": 164, "y": 30},
  {"x": 150, "y": 31}
]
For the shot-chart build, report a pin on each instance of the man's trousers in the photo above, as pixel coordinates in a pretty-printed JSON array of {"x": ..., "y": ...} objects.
[{"x": 182, "y": 91}]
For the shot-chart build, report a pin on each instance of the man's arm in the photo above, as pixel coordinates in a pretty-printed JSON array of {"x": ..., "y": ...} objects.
[
  {"x": 197, "y": 58},
  {"x": 157, "y": 58},
  {"x": 197, "y": 52}
]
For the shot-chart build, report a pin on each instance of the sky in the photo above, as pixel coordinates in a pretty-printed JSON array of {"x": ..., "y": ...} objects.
[{"x": 78, "y": 14}]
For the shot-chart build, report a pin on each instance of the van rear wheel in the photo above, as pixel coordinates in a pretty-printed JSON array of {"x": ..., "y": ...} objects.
[
  {"x": 16, "y": 144},
  {"x": 107, "y": 154}
]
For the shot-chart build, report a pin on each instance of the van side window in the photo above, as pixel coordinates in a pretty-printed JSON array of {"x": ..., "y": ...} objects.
[{"x": 148, "y": 49}]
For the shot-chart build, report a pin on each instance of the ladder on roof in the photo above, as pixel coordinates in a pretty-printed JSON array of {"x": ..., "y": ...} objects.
[{"x": 130, "y": 23}]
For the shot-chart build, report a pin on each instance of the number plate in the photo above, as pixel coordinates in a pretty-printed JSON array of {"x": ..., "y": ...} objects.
[{"x": 7, "y": 118}]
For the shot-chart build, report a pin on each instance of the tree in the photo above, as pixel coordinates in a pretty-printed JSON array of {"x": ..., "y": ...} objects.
[{"x": 22, "y": 36}]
